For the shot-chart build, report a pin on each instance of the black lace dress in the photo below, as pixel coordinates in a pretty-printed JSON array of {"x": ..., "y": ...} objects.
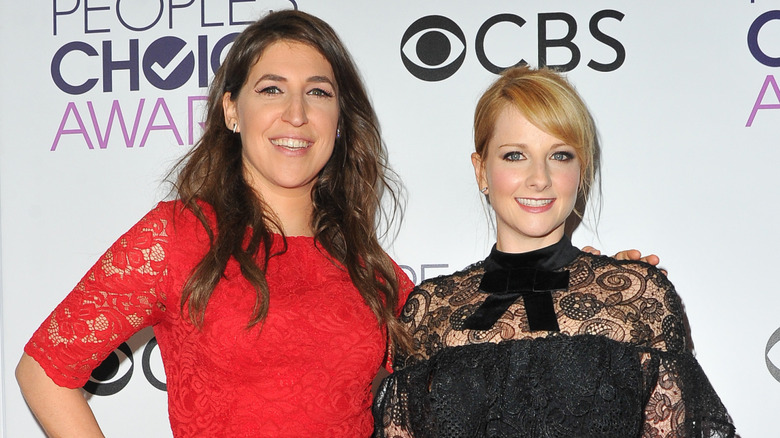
[{"x": 552, "y": 343}]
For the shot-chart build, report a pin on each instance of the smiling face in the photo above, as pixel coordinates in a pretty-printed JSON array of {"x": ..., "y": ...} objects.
[
  {"x": 532, "y": 180},
  {"x": 287, "y": 115}
]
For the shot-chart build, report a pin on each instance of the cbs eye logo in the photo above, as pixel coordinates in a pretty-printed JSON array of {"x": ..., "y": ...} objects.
[
  {"x": 115, "y": 372},
  {"x": 427, "y": 48},
  {"x": 773, "y": 340},
  {"x": 433, "y": 48}
]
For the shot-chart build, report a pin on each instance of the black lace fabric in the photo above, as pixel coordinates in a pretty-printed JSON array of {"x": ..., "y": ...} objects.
[{"x": 618, "y": 366}]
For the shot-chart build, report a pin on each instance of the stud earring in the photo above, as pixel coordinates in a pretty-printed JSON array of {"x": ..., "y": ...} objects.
[{"x": 235, "y": 125}]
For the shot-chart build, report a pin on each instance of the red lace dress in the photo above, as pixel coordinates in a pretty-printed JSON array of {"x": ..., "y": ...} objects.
[{"x": 308, "y": 372}]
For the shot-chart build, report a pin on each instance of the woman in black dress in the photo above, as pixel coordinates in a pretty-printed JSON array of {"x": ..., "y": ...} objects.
[{"x": 541, "y": 339}]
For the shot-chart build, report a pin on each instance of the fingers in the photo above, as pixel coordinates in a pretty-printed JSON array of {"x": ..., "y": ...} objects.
[
  {"x": 591, "y": 250},
  {"x": 651, "y": 259},
  {"x": 629, "y": 254}
]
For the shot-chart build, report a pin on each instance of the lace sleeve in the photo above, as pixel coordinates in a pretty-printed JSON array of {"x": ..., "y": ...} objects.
[
  {"x": 405, "y": 286},
  {"x": 391, "y": 411},
  {"x": 683, "y": 402},
  {"x": 118, "y": 296},
  {"x": 412, "y": 314}
]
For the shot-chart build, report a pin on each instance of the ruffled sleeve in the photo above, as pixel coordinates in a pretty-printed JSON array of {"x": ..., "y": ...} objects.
[
  {"x": 391, "y": 411},
  {"x": 121, "y": 294},
  {"x": 682, "y": 403}
]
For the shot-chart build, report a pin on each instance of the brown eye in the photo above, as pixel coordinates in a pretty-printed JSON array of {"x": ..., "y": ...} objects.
[
  {"x": 320, "y": 92},
  {"x": 273, "y": 89}
]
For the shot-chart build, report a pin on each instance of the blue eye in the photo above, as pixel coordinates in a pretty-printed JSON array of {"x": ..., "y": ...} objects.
[
  {"x": 562, "y": 156},
  {"x": 513, "y": 156}
]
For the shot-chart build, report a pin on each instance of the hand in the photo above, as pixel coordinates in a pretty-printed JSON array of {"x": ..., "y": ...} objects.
[
  {"x": 629, "y": 254},
  {"x": 635, "y": 254},
  {"x": 591, "y": 250}
]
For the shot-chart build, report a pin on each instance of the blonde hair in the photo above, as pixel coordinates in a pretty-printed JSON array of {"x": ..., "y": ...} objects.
[{"x": 551, "y": 104}]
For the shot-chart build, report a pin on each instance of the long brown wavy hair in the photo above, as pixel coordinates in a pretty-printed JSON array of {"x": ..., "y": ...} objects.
[{"x": 346, "y": 196}]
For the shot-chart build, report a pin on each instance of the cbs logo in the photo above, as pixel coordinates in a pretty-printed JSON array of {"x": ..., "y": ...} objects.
[
  {"x": 433, "y": 48},
  {"x": 773, "y": 340},
  {"x": 115, "y": 372}
]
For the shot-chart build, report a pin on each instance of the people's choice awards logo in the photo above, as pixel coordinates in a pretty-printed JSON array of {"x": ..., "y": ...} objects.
[
  {"x": 113, "y": 49},
  {"x": 434, "y": 47},
  {"x": 762, "y": 50},
  {"x": 425, "y": 272}
]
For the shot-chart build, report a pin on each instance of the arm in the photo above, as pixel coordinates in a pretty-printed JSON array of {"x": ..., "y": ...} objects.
[
  {"x": 63, "y": 412},
  {"x": 684, "y": 404},
  {"x": 380, "y": 375},
  {"x": 682, "y": 401},
  {"x": 116, "y": 298},
  {"x": 391, "y": 412},
  {"x": 664, "y": 412}
]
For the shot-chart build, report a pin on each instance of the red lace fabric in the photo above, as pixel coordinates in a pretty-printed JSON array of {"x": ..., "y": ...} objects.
[{"x": 306, "y": 372}]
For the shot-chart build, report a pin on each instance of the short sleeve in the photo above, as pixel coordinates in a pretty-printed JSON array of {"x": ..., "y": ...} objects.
[
  {"x": 119, "y": 295},
  {"x": 405, "y": 287}
]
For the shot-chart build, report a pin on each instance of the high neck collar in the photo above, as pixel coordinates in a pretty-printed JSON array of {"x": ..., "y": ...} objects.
[{"x": 548, "y": 258}]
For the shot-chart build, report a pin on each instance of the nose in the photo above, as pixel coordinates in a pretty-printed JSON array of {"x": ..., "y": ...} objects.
[
  {"x": 539, "y": 177},
  {"x": 295, "y": 112}
]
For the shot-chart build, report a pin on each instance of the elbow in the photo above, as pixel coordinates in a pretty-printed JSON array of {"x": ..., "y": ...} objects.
[
  {"x": 23, "y": 371},
  {"x": 27, "y": 371}
]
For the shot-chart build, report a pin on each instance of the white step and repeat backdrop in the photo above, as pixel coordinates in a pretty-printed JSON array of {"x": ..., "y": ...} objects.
[{"x": 100, "y": 97}]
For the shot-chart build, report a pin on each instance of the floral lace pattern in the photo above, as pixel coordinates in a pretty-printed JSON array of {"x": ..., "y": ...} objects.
[
  {"x": 307, "y": 370},
  {"x": 619, "y": 366}
]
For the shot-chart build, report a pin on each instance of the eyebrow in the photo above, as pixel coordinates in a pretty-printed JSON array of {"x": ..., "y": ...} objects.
[
  {"x": 524, "y": 145},
  {"x": 521, "y": 146},
  {"x": 317, "y": 79}
]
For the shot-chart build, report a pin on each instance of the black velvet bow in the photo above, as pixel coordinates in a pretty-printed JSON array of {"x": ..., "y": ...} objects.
[{"x": 505, "y": 286}]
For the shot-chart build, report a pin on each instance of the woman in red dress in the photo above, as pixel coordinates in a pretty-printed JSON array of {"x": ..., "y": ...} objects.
[{"x": 271, "y": 299}]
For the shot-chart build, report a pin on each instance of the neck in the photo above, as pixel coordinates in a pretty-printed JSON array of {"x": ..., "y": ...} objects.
[
  {"x": 293, "y": 209},
  {"x": 519, "y": 246},
  {"x": 549, "y": 258}
]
